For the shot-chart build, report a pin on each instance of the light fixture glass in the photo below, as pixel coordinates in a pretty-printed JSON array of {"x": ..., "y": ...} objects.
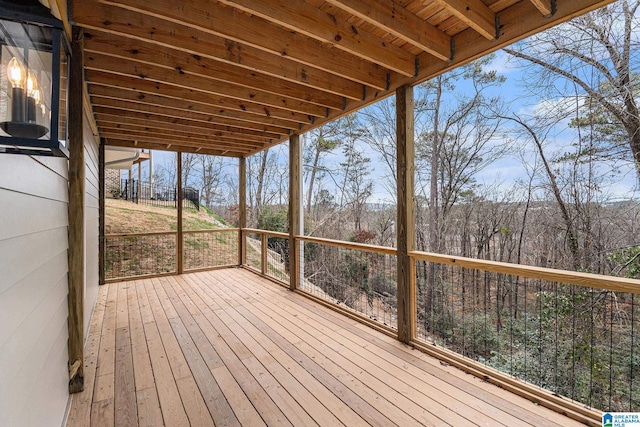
[{"x": 33, "y": 63}]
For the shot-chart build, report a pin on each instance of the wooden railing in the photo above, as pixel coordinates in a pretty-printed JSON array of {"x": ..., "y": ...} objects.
[
  {"x": 358, "y": 278},
  {"x": 206, "y": 249},
  {"x": 571, "y": 334},
  {"x": 140, "y": 254},
  {"x": 134, "y": 255},
  {"x": 267, "y": 252}
]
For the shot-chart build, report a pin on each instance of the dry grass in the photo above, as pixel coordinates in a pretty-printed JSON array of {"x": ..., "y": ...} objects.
[{"x": 122, "y": 216}]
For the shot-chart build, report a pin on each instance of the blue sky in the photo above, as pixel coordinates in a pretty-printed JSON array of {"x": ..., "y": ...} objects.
[{"x": 504, "y": 174}]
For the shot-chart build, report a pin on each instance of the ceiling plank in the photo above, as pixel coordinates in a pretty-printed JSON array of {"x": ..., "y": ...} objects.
[
  {"x": 251, "y": 30},
  {"x": 475, "y": 14},
  {"x": 169, "y": 133},
  {"x": 100, "y": 94},
  {"x": 185, "y": 137},
  {"x": 146, "y": 136},
  {"x": 471, "y": 46},
  {"x": 544, "y": 6},
  {"x": 125, "y": 120},
  {"x": 134, "y": 50},
  {"x": 190, "y": 82},
  {"x": 115, "y": 104},
  {"x": 403, "y": 24},
  {"x": 242, "y": 110},
  {"x": 301, "y": 17},
  {"x": 194, "y": 126},
  {"x": 97, "y": 16},
  {"x": 174, "y": 146}
]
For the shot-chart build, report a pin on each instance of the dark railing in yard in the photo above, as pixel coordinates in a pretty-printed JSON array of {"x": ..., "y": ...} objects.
[{"x": 152, "y": 195}]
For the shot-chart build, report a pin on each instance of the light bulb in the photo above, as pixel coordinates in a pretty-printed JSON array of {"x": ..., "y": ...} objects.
[
  {"x": 16, "y": 74},
  {"x": 35, "y": 94},
  {"x": 32, "y": 86}
]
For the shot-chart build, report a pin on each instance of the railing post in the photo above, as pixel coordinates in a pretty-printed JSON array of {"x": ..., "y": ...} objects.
[
  {"x": 264, "y": 249},
  {"x": 180, "y": 237},
  {"x": 405, "y": 220},
  {"x": 294, "y": 210},
  {"x": 242, "y": 210}
]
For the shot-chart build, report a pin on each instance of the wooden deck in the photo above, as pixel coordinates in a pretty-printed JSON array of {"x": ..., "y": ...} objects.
[{"x": 227, "y": 347}]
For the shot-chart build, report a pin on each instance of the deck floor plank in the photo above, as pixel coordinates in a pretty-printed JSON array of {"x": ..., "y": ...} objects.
[
  {"x": 364, "y": 355},
  {"x": 227, "y": 347},
  {"x": 259, "y": 398}
]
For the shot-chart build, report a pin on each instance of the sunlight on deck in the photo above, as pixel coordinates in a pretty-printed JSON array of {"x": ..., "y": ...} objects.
[{"x": 230, "y": 348}]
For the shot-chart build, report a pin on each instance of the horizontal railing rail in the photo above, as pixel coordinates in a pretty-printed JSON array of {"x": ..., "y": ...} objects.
[
  {"x": 154, "y": 233},
  {"x": 601, "y": 281},
  {"x": 349, "y": 245}
]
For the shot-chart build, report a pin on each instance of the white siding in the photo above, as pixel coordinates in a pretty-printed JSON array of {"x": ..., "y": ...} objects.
[
  {"x": 33, "y": 290},
  {"x": 33, "y": 283},
  {"x": 91, "y": 214}
]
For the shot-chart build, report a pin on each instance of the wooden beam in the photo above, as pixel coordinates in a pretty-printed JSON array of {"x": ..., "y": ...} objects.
[
  {"x": 199, "y": 121},
  {"x": 222, "y": 117},
  {"x": 137, "y": 90},
  {"x": 187, "y": 125},
  {"x": 314, "y": 23},
  {"x": 294, "y": 210},
  {"x": 546, "y": 7},
  {"x": 179, "y": 235},
  {"x": 475, "y": 14},
  {"x": 401, "y": 23},
  {"x": 122, "y": 122},
  {"x": 106, "y": 18},
  {"x": 122, "y": 48},
  {"x": 470, "y": 46},
  {"x": 242, "y": 209},
  {"x": 168, "y": 134},
  {"x": 252, "y": 30},
  {"x": 172, "y": 147},
  {"x": 405, "y": 219},
  {"x": 143, "y": 137},
  {"x": 192, "y": 82},
  {"x": 76, "y": 217}
]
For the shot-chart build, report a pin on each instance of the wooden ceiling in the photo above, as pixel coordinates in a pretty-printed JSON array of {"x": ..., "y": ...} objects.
[{"x": 232, "y": 77}]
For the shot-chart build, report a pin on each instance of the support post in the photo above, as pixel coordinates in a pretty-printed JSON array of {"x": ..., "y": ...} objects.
[
  {"x": 151, "y": 196},
  {"x": 76, "y": 215},
  {"x": 101, "y": 213},
  {"x": 294, "y": 210},
  {"x": 242, "y": 210},
  {"x": 405, "y": 219},
  {"x": 139, "y": 187},
  {"x": 180, "y": 237}
]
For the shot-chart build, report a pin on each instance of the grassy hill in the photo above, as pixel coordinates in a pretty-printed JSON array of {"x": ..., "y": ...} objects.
[
  {"x": 122, "y": 216},
  {"x": 140, "y": 255}
]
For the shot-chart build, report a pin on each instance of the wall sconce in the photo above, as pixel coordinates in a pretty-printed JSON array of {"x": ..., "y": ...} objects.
[{"x": 34, "y": 56}]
